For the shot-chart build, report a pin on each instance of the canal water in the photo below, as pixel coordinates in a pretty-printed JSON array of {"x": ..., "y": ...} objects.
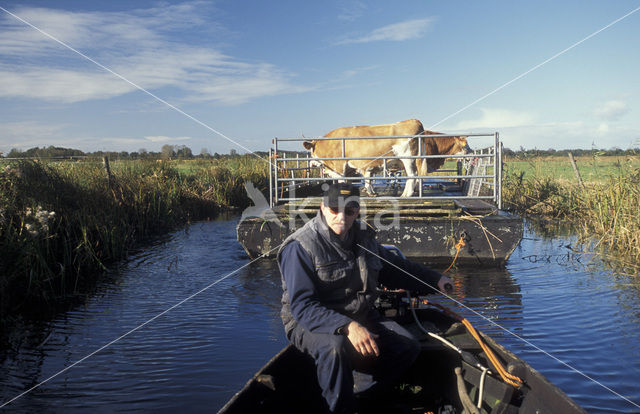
[{"x": 184, "y": 323}]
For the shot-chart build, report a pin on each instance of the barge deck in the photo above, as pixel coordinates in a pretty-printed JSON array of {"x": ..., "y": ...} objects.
[{"x": 427, "y": 231}]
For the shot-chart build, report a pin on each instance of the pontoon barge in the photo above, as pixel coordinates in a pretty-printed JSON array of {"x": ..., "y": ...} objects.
[{"x": 455, "y": 214}]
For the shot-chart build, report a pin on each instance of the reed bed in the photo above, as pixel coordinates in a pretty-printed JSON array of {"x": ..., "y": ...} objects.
[
  {"x": 62, "y": 223},
  {"x": 611, "y": 212},
  {"x": 605, "y": 210}
]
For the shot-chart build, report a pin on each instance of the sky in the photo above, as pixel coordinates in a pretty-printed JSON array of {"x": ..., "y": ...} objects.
[{"x": 233, "y": 74}]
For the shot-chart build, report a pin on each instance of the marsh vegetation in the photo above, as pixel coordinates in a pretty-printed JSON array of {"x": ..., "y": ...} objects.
[
  {"x": 61, "y": 223},
  {"x": 604, "y": 210}
]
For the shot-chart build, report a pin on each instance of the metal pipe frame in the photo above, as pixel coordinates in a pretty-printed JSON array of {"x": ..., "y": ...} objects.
[
  {"x": 488, "y": 197},
  {"x": 496, "y": 177},
  {"x": 379, "y": 178},
  {"x": 389, "y": 157},
  {"x": 382, "y": 137}
]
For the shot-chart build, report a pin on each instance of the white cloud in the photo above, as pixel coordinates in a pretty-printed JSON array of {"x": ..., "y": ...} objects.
[
  {"x": 397, "y": 32},
  {"x": 125, "y": 30},
  {"x": 557, "y": 135},
  {"x": 497, "y": 118},
  {"x": 60, "y": 84},
  {"x": 29, "y": 134},
  {"x": 611, "y": 110},
  {"x": 24, "y": 135},
  {"x": 138, "y": 45}
]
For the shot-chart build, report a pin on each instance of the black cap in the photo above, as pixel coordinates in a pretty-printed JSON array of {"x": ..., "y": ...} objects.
[{"x": 341, "y": 195}]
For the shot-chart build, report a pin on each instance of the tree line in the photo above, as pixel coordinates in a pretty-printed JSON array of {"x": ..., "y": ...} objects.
[
  {"x": 183, "y": 152},
  {"x": 615, "y": 151},
  {"x": 167, "y": 152}
]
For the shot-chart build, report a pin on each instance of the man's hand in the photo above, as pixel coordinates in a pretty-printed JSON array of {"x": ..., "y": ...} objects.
[
  {"x": 445, "y": 284},
  {"x": 361, "y": 339}
]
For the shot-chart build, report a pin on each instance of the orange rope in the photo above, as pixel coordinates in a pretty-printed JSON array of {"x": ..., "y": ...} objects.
[
  {"x": 458, "y": 246},
  {"x": 504, "y": 374}
]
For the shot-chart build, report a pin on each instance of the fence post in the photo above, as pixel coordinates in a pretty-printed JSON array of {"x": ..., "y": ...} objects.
[
  {"x": 575, "y": 169},
  {"x": 105, "y": 161}
]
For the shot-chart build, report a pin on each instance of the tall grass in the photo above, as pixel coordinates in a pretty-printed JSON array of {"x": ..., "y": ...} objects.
[
  {"x": 62, "y": 223},
  {"x": 605, "y": 211},
  {"x": 611, "y": 212}
]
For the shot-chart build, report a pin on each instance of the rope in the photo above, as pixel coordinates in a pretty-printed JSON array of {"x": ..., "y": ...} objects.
[
  {"x": 481, "y": 388},
  {"x": 462, "y": 393},
  {"x": 458, "y": 246},
  {"x": 506, "y": 376}
]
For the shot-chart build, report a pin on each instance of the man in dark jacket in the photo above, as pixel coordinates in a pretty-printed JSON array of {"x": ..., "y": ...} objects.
[{"x": 330, "y": 272}]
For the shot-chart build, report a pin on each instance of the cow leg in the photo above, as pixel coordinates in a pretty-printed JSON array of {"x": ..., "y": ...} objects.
[
  {"x": 409, "y": 166},
  {"x": 367, "y": 183},
  {"x": 410, "y": 169}
]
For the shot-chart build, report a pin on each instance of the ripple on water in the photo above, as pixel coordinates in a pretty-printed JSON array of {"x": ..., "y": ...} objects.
[{"x": 202, "y": 351}]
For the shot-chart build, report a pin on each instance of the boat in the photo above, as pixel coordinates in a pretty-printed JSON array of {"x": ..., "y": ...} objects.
[
  {"x": 454, "y": 373},
  {"x": 458, "y": 215}
]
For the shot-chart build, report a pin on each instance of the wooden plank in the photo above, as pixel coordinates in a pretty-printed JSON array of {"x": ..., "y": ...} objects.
[{"x": 474, "y": 206}]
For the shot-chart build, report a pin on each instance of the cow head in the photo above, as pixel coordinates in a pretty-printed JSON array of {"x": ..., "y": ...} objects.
[
  {"x": 319, "y": 151},
  {"x": 311, "y": 146},
  {"x": 461, "y": 146}
]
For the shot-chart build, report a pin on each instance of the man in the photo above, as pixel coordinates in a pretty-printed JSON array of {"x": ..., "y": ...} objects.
[{"x": 330, "y": 270}]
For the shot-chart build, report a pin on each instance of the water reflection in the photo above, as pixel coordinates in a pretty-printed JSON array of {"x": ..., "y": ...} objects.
[{"x": 198, "y": 354}]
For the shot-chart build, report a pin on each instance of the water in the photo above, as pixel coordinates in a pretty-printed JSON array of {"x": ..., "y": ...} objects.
[{"x": 195, "y": 356}]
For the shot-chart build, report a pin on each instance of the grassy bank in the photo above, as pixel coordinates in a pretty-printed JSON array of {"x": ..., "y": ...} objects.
[
  {"x": 605, "y": 210},
  {"x": 62, "y": 223}
]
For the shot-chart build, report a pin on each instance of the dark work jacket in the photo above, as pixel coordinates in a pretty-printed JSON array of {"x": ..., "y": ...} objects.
[{"x": 326, "y": 284}]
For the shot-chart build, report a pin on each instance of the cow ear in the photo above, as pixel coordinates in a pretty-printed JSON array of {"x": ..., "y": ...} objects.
[{"x": 308, "y": 145}]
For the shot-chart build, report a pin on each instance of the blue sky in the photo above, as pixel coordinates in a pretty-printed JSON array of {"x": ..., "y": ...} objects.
[{"x": 249, "y": 71}]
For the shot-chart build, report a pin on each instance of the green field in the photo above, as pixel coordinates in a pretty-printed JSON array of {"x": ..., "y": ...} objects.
[
  {"x": 592, "y": 169},
  {"x": 604, "y": 210}
]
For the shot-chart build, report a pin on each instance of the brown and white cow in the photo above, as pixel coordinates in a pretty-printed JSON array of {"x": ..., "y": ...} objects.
[
  {"x": 440, "y": 146},
  {"x": 379, "y": 148}
]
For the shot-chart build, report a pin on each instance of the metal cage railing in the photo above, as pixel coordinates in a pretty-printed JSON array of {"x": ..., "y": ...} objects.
[{"x": 479, "y": 174}]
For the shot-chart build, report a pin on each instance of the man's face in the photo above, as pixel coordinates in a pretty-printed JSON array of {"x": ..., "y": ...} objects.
[{"x": 339, "y": 219}]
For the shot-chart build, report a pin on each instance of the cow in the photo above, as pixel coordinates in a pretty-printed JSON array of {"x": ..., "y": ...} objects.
[
  {"x": 379, "y": 148},
  {"x": 440, "y": 146}
]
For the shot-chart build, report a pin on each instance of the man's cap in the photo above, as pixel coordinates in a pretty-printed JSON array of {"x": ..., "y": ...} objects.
[{"x": 341, "y": 195}]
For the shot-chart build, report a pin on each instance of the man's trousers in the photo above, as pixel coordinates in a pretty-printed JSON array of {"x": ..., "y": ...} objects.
[{"x": 338, "y": 363}]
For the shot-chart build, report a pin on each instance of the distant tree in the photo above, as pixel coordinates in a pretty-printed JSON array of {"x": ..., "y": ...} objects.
[
  {"x": 182, "y": 151},
  {"x": 15, "y": 153},
  {"x": 167, "y": 151},
  {"x": 48, "y": 152},
  {"x": 233, "y": 152},
  {"x": 204, "y": 153}
]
